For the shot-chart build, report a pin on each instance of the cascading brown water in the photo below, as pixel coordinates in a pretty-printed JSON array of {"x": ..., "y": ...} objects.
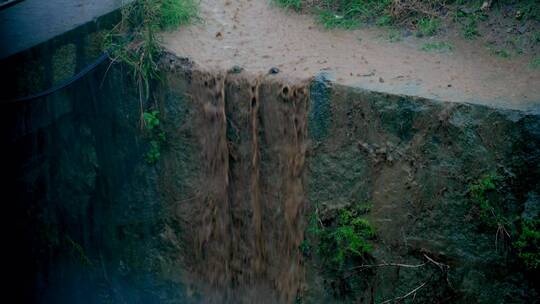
[{"x": 247, "y": 223}]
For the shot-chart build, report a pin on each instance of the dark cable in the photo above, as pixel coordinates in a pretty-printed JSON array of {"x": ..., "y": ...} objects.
[
  {"x": 64, "y": 84},
  {"x": 9, "y": 3}
]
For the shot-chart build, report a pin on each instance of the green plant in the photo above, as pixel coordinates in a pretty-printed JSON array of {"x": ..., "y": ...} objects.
[
  {"x": 135, "y": 40},
  {"x": 525, "y": 233},
  {"x": 154, "y": 152},
  {"x": 535, "y": 63},
  {"x": 478, "y": 192},
  {"x": 349, "y": 14},
  {"x": 437, "y": 46},
  {"x": 503, "y": 53},
  {"x": 151, "y": 119},
  {"x": 156, "y": 135},
  {"x": 175, "y": 13},
  {"x": 346, "y": 239},
  {"x": 394, "y": 35},
  {"x": 294, "y": 4},
  {"x": 384, "y": 20},
  {"x": 528, "y": 10},
  {"x": 339, "y": 243},
  {"x": 428, "y": 26},
  {"x": 535, "y": 38},
  {"x": 470, "y": 27},
  {"x": 528, "y": 243}
]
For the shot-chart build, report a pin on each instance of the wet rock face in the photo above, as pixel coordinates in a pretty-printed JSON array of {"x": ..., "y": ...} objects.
[
  {"x": 414, "y": 161},
  {"x": 222, "y": 214}
]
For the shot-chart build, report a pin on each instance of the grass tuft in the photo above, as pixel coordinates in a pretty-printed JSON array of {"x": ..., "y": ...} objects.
[
  {"x": 535, "y": 63},
  {"x": 292, "y": 4},
  {"x": 135, "y": 40},
  {"x": 428, "y": 26},
  {"x": 175, "y": 13}
]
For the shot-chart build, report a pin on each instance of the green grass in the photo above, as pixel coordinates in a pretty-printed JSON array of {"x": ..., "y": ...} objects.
[
  {"x": 535, "y": 63},
  {"x": 528, "y": 10},
  {"x": 428, "y": 26},
  {"x": 175, "y": 13},
  {"x": 499, "y": 52},
  {"x": 350, "y": 14},
  {"x": 470, "y": 29},
  {"x": 135, "y": 41},
  {"x": 394, "y": 35},
  {"x": 440, "y": 46},
  {"x": 292, "y": 4}
]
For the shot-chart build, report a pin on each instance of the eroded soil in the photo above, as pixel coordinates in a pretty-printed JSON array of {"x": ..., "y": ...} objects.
[{"x": 256, "y": 35}]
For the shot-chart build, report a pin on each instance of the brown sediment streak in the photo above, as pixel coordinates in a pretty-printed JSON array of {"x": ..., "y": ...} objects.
[
  {"x": 255, "y": 173},
  {"x": 248, "y": 223}
]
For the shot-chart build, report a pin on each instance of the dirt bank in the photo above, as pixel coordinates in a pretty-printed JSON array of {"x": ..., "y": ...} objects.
[{"x": 257, "y": 36}]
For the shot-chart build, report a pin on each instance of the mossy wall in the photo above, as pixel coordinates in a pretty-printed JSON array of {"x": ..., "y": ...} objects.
[{"x": 414, "y": 161}]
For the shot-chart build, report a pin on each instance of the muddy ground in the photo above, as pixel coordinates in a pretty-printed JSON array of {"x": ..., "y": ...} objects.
[{"x": 257, "y": 35}]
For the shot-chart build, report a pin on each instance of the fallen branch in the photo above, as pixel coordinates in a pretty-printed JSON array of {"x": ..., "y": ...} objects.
[
  {"x": 412, "y": 292},
  {"x": 387, "y": 264},
  {"x": 441, "y": 266}
]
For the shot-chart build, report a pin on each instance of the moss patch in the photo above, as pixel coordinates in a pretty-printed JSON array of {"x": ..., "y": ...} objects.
[{"x": 64, "y": 63}]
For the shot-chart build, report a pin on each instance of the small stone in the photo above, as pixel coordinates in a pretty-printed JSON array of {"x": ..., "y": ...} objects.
[
  {"x": 273, "y": 70},
  {"x": 407, "y": 33},
  {"x": 236, "y": 69},
  {"x": 381, "y": 80},
  {"x": 522, "y": 29}
]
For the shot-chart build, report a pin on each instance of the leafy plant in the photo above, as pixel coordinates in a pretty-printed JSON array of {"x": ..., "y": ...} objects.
[
  {"x": 346, "y": 239},
  {"x": 338, "y": 244},
  {"x": 478, "y": 192},
  {"x": 156, "y": 135},
  {"x": 528, "y": 243},
  {"x": 154, "y": 152},
  {"x": 151, "y": 119}
]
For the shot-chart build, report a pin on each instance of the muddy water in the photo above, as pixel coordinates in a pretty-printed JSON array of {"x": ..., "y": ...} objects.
[
  {"x": 246, "y": 227},
  {"x": 258, "y": 35}
]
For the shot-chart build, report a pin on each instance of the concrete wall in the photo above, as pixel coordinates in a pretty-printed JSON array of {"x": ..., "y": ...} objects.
[{"x": 32, "y": 22}]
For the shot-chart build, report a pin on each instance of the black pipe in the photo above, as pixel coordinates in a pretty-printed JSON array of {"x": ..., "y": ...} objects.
[
  {"x": 8, "y": 3},
  {"x": 64, "y": 84}
]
